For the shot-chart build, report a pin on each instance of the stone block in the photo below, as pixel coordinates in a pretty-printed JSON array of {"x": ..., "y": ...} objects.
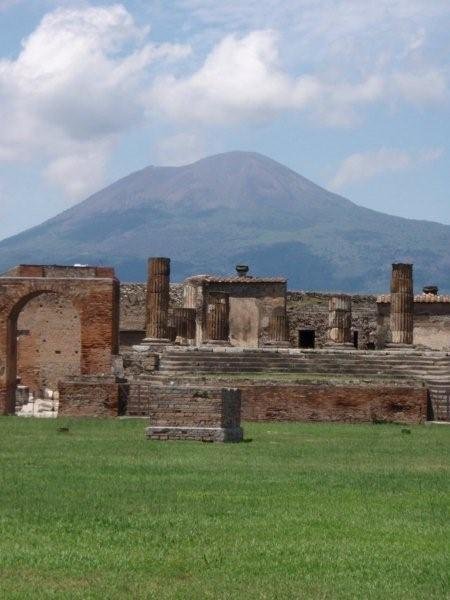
[{"x": 202, "y": 413}]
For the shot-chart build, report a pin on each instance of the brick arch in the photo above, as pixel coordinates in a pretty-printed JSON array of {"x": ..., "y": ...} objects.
[
  {"x": 96, "y": 301},
  {"x": 48, "y": 341}
]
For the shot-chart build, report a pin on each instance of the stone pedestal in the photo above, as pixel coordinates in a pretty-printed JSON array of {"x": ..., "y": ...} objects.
[
  {"x": 194, "y": 413},
  {"x": 402, "y": 306},
  {"x": 218, "y": 319},
  {"x": 340, "y": 322},
  {"x": 158, "y": 289},
  {"x": 22, "y": 395}
]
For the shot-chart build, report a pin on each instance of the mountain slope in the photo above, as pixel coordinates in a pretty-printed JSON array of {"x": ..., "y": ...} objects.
[{"x": 236, "y": 207}]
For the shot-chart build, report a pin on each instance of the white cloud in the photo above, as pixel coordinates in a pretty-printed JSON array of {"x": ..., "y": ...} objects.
[
  {"x": 242, "y": 78},
  {"x": 426, "y": 87},
  {"x": 76, "y": 84},
  {"x": 346, "y": 43},
  {"x": 366, "y": 165}
]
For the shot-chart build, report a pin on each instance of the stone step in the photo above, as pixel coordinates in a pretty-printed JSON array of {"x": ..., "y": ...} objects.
[
  {"x": 308, "y": 353},
  {"x": 296, "y": 360}
]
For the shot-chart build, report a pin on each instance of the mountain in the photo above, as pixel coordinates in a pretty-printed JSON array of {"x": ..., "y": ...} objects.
[{"x": 230, "y": 208}]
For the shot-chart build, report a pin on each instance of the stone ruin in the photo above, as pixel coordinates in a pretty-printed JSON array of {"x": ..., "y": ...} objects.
[
  {"x": 83, "y": 301},
  {"x": 193, "y": 344}
]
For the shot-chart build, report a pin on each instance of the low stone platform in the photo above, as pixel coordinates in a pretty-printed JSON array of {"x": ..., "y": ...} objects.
[
  {"x": 202, "y": 413},
  {"x": 198, "y": 434}
]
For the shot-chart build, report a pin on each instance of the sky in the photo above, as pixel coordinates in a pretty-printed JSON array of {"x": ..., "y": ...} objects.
[{"x": 352, "y": 94}]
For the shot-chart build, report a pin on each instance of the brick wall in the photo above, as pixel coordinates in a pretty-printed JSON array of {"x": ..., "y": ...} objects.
[
  {"x": 192, "y": 413},
  {"x": 48, "y": 342},
  {"x": 178, "y": 406},
  {"x": 351, "y": 404},
  {"x": 89, "y": 397},
  {"x": 94, "y": 300}
]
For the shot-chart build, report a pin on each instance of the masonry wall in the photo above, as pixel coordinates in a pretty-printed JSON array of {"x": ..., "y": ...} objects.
[
  {"x": 309, "y": 310},
  {"x": 95, "y": 300},
  {"x": 252, "y": 303},
  {"x": 181, "y": 406},
  {"x": 48, "y": 342},
  {"x": 349, "y": 404},
  {"x": 89, "y": 397}
]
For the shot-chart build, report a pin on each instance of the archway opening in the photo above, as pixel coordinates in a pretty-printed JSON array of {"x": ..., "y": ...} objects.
[
  {"x": 47, "y": 348},
  {"x": 306, "y": 338}
]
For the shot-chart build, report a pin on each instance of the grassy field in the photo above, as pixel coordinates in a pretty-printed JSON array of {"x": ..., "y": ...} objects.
[{"x": 299, "y": 511}]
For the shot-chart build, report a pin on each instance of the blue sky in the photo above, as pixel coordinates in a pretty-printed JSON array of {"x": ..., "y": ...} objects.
[{"x": 354, "y": 95}]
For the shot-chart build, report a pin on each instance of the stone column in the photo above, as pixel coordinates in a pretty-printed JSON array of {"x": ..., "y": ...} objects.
[
  {"x": 278, "y": 331},
  {"x": 158, "y": 299},
  {"x": 278, "y": 328},
  {"x": 183, "y": 320},
  {"x": 218, "y": 319},
  {"x": 402, "y": 304},
  {"x": 340, "y": 320}
]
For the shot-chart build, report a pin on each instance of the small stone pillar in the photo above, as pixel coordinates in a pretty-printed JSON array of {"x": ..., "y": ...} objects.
[
  {"x": 22, "y": 395},
  {"x": 340, "y": 320},
  {"x": 218, "y": 319},
  {"x": 158, "y": 299},
  {"x": 183, "y": 321},
  {"x": 402, "y": 304}
]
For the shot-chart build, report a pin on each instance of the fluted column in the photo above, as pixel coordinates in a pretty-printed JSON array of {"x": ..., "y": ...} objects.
[
  {"x": 183, "y": 321},
  {"x": 340, "y": 320},
  {"x": 278, "y": 329},
  {"x": 218, "y": 318},
  {"x": 402, "y": 304},
  {"x": 158, "y": 286}
]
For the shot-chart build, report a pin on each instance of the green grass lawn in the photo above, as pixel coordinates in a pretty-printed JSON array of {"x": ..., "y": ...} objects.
[{"x": 300, "y": 511}]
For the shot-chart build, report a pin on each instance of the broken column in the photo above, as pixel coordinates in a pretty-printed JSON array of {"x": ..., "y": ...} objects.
[
  {"x": 218, "y": 319},
  {"x": 402, "y": 304},
  {"x": 340, "y": 320},
  {"x": 158, "y": 286}
]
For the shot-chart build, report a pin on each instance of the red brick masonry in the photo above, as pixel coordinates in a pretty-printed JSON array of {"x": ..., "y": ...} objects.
[
  {"x": 193, "y": 413},
  {"x": 348, "y": 404},
  {"x": 94, "y": 298},
  {"x": 88, "y": 397}
]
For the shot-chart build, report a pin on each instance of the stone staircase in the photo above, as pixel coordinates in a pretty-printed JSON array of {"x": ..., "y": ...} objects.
[{"x": 431, "y": 368}]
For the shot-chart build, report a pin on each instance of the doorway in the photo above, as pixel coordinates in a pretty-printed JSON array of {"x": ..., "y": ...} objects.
[{"x": 307, "y": 338}]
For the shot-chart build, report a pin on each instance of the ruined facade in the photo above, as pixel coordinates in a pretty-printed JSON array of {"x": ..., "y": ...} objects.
[
  {"x": 242, "y": 309},
  {"x": 33, "y": 297},
  {"x": 59, "y": 334}
]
